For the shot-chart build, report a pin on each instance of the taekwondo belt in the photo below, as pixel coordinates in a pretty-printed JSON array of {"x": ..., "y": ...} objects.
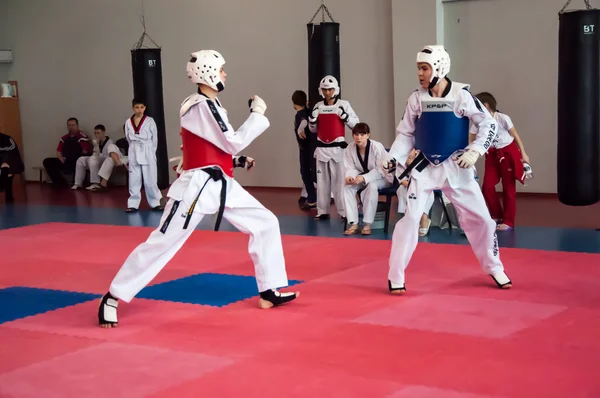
[
  {"x": 419, "y": 163},
  {"x": 342, "y": 144},
  {"x": 215, "y": 174}
]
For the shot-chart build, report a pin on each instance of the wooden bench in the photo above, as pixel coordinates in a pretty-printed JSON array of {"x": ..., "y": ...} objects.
[{"x": 42, "y": 171}]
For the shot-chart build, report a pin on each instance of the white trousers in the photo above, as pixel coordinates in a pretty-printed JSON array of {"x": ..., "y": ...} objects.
[
  {"x": 242, "y": 210},
  {"x": 402, "y": 193},
  {"x": 330, "y": 180},
  {"x": 149, "y": 174},
  {"x": 91, "y": 163},
  {"x": 369, "y": 198},
  {"x": 473, "y": 215},
  {"x": 107, "y": 167}
]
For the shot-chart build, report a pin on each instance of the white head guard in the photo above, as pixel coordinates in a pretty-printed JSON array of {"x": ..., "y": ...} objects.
[
  {"x": 205, "y": 67},
  {"x": 329, "y": 82},
  {"x": 438, "y": 59}
]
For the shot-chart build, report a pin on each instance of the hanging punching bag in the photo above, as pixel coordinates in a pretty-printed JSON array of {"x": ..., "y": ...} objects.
[
  {"x": 578, "y": 145},
  {"x": 323, "y": 56},
  {"x": 147, "y": 85}
]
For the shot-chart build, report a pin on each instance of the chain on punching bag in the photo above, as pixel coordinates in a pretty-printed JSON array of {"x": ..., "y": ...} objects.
[
  {"x": 578, "y": 144},
  {"x": 323, "y": 53}
]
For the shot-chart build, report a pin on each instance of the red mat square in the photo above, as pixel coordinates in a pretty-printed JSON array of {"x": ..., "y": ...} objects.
[
  {"x": 423, "y": 279},
  {"x": 430, "y": 392},
  {"x": 285, "y": 378},
  {"x": 109, "y": 370},
  {"x": 463, "y": 315},
  {"x": 20, "y": 348},
  {"x": 82, "y": 319},
  {"x": 237, "y": 331}
]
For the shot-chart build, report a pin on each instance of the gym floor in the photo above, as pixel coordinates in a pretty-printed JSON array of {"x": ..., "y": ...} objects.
[{"x": 195, "y": 329}]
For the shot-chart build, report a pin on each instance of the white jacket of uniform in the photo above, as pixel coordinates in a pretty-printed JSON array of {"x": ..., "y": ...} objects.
[
  {"x": 197, "y": 117},
  {"x": 108, "y": 148},
  {"x": 377, "y": 155},
  {"x": 464, "y": 105},
  {"x": 143, "y": 145}
]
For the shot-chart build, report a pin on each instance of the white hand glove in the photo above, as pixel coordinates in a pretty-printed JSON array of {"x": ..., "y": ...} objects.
[
  {"x": 257, "y": 105},
  {"x": 315, "y": 114},
  {"x": 468, "y": 159},
  {"x": 343, "y": 114},
  {"x": 389, "y": 166}
]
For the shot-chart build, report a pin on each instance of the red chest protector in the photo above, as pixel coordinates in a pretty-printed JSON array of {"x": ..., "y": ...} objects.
[
  {"x": 330, "y": 125},
  {"x": 198, "y": 153}
]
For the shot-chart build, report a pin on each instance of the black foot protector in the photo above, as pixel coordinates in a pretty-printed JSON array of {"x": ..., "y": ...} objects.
[{"x": 273, "y": 298}]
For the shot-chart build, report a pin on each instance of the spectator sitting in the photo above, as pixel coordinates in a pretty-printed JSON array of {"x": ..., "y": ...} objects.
[
  {"x": 10, "y": 164},
  {"x": 71, "y": 146}
]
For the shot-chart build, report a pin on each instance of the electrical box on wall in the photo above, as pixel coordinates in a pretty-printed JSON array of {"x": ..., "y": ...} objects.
[{"x": 6, "y": 56}]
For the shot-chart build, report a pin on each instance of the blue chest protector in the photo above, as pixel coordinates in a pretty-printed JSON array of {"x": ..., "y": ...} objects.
[{"x": 439, "y": 132}]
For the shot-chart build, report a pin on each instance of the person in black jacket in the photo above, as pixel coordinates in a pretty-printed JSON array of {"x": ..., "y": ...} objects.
[
  {"x": 307, "y": 143},
  {"x": 10, "y": 164}
]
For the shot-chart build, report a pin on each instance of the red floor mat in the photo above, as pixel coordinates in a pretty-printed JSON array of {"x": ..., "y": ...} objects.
[{"x": 453, "y": 335}]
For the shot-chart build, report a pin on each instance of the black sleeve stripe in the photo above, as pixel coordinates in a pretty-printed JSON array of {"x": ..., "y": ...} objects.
[
  {"x": 217, "y": 115},
  {"x": 477, "y": 104}
]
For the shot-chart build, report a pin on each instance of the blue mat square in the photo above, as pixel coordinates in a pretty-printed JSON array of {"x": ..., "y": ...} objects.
[
  {"x": 216, "y": 290},
  {"x": 20, "y": 302}
]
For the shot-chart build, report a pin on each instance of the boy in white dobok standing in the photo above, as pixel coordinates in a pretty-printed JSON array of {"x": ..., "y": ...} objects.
[
  {"x": 436, "y": 124},
  {"x": 329, "y": 119},
  {"x": 142, "y": 136},
  {"x": 206, "y": 186},
  {"x": 361, "y": 161}
]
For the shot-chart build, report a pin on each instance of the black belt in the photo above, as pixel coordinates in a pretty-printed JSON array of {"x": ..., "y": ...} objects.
[
  {"x": 215, "y": 174},
  {"x": 419, "y": 163},
  {"x": 342, "y": 144}
]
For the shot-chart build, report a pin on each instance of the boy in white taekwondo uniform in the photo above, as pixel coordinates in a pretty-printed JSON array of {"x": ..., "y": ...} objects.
[
  {"x": 329, "y": 119},
  {"x": 436, "y": 123},
  {"x": 103, "y": 146},
  {"x": 361, "y": 161},
  {"x": 142, "y": 136},
  {"x": 206, "y": 186}
]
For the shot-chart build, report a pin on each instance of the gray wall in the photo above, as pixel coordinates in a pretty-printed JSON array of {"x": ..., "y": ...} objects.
[
  {"x": 510, "y": 48},
  {"x": 72, "y": 58}
]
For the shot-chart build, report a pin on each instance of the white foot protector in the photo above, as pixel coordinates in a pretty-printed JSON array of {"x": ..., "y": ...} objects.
[
  {"x": 502, "y": 280},
  {"x": 107, "y": 312},
  {"x": 396, "y": 289}
]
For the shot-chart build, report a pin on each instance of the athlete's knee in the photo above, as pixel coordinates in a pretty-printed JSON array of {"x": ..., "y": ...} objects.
[
  {"x": 268, "y": 222},
  {"x": 372, "y": 188},
  {"x": 349, "y": 190}
]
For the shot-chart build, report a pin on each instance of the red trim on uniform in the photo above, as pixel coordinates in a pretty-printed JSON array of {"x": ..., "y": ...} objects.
[{"x": 136, "y": 129}]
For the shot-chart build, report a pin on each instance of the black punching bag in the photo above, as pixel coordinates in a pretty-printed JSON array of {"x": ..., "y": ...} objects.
[
  {"x": 578, "y": 146},
  {"x": 147, "y": 86},
  {"x": 323, "y": 56}
]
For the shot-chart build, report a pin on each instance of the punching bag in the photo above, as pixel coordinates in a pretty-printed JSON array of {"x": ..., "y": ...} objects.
[
  {"x": 578, "y": 144},
  {"x": 323, "y": 56},
  {"x": 147, "y": 85}
]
